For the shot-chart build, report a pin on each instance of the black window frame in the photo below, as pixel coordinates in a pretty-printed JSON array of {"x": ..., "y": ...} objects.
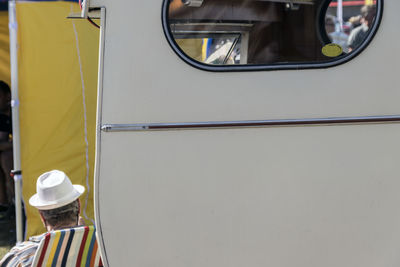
[{"x": 344, "y": 58}]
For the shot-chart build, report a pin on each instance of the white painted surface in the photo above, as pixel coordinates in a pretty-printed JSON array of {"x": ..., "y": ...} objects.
[
  {"x": 288, "y": 196},
  {"x": 140, "y": 64}
]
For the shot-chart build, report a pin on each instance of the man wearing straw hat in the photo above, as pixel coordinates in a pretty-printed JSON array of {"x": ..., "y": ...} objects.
[{"x": 57, "y": 200}]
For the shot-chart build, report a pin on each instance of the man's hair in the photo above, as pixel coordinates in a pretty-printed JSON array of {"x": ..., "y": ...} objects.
[
  {"x": 368, "y": 11},
  {"x": 62, "y": 215},
  {"x": 4, "y": 88},
  {"x": 330, "y": 19}
]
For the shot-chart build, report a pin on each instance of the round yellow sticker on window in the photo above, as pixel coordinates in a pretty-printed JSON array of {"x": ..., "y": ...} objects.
[{"x": 332, "y": 50}]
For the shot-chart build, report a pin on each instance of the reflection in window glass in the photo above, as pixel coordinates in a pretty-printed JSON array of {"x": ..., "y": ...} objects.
[
  {"x": 219, "y": 50},
  {"x": 348, "y": 24},
  {"x": 254, "y": 32}
]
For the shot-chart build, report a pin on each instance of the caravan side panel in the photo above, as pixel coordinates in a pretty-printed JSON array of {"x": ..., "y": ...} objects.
[{"x": 320, "y": 195}]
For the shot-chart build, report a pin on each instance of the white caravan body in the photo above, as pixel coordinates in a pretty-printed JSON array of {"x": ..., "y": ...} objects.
[{"x": 283, "y": 168}]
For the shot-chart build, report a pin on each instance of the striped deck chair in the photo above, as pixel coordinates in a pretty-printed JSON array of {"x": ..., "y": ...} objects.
[{"x": 69, "y": 247}]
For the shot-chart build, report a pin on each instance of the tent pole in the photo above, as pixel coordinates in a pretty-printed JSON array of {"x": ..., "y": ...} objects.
[
  {"x": 339, "y": 14},
  {"x": 13, "y": 25}
]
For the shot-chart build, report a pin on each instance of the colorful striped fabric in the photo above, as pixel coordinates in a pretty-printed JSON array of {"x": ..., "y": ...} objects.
[{"x": 74, "y": 247}]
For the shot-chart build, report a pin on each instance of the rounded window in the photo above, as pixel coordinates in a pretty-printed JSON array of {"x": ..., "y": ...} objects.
[{"x": 222, "y": 35}]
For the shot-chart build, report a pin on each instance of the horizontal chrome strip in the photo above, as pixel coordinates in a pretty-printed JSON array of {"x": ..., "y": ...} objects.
[{"x": 248, "y": 124}]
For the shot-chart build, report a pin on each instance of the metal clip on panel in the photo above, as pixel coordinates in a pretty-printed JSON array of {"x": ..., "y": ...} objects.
[{"x": 85, "y": 9}]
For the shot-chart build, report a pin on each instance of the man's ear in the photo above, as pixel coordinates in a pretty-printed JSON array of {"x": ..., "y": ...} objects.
[
  {"x": 42, "y": 219},
  {"x": 79, "y": 206}
]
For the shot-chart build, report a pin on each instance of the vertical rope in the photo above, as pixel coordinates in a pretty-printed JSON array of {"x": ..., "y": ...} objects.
[{"x": 85, "y": 122}]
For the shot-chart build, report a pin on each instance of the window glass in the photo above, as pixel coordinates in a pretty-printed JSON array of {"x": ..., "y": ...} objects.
[
  {"x": 349, "y": 25},
  {"x": 268, "y": 32},
  {"x": 219, "y": 50}
]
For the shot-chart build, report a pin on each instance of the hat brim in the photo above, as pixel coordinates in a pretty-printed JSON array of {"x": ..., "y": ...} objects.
[{"x": 40, "y": 204}]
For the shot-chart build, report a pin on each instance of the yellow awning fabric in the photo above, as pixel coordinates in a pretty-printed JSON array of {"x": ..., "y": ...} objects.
[
  {"x": 4, "y": 48},
  {"x": 369, "y": 2},
  {"x": 57, "y": 87}
]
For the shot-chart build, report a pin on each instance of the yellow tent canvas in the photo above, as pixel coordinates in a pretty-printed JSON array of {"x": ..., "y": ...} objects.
[
  {"x": 57, "y": 60},
  {"x": 4, "y": 48}
]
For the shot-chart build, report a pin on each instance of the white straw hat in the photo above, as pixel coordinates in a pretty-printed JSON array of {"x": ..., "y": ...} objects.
[{"x": 54, "y": 189}]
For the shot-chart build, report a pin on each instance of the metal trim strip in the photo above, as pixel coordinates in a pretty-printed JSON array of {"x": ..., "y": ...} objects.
[{"x": 248, "y": 123}]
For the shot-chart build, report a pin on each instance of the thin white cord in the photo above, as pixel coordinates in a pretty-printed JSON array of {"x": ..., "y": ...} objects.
[{"x": 85, "y": 120}]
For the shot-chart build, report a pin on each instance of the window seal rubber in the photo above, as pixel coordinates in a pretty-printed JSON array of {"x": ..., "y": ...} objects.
[{"x": 276, "y": 66}]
